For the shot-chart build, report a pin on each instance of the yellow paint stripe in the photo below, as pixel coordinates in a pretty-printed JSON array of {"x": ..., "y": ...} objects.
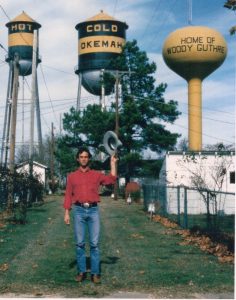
[
  {"x": 20, "y": 39},
  {"x": 100, "y": 43}
]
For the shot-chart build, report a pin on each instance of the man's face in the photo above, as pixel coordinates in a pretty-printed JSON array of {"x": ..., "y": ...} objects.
[{"x": 83, "y": 159}]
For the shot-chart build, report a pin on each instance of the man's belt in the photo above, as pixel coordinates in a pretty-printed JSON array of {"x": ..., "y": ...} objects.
[{"x": 86, "y": 204}]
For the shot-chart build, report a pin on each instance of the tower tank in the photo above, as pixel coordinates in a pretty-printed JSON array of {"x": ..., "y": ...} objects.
[
  {"x": 20, "y": 41},
  {"x": 194, "y": 52},
  {"x": 100, "y": 39}
]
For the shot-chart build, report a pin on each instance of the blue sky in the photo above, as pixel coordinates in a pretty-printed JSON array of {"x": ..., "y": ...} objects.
[{"x": 150, "y": 22}]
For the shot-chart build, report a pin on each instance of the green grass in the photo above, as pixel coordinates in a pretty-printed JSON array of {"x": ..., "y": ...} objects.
[{"x": 137, "y": 254}]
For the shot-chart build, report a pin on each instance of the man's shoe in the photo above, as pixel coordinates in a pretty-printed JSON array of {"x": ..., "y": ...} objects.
[
  {"x": 80, "y": 277},
  {"x": 96, "y": 279}
]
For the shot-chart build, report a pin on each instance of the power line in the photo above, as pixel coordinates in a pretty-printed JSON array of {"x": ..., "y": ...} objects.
[
  {"x": 150, "y": 19},
  {"x": 85, "y": 100},
  {"x": 30, "y": 45},
  {"x": 20, "y": 33},
  {"x": 3, "y": 48},
  {"x": 48, "y": 94},
  {"x": 4, "y": 12},
  {"x": 204, "y": 134},
  {"x": 175, "y": 124},
  {"x": 163, "y": 104},
  {"x": 88, "y": 99},
  {"x": 58, "y": 70},
  {"x": 45, "y": 108},
  {"x": 164, "y": 20},
  {"x": 30, "y": 100},
  {"x": 114, "y": 10},
  {"x": 204, "y": 107}
]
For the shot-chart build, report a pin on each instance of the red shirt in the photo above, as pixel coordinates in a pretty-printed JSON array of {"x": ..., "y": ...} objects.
[{"x": 83, "y": 186}]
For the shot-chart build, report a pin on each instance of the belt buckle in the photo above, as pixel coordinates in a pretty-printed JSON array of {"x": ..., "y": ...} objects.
[{"x": 86, "y": 205}]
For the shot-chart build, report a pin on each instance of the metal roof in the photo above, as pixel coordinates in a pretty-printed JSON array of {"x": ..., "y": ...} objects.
[
  {"x": 23, "y": 17},
  {"x": 101, "y": 16}
]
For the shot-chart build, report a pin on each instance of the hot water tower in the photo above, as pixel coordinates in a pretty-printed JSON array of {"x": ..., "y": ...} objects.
[
  {"x": 20, "y": 41},
  {"x": 22, "y": 37}
]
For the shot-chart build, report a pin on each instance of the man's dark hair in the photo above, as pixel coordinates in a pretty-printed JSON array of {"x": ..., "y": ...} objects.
[{"x": 83, "y": 149}]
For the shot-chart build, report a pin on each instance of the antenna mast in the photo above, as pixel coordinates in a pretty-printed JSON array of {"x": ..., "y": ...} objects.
[{"x": 190, "y": 12}]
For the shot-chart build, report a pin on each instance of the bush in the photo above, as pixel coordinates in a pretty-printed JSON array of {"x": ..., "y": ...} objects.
[{"x": 25, "y": 190}]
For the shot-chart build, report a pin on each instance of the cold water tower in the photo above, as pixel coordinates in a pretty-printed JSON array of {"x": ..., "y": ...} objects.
[{"x": 100, "y": 39}]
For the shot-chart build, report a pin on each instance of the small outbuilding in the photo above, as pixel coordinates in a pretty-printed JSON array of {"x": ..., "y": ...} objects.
[
  {"x": 203, "y": 172},
  {"x": 38, "y": 169}
]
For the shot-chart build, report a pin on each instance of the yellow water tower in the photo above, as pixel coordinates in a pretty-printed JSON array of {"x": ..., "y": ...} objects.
[{"x": 194, "y": 52}]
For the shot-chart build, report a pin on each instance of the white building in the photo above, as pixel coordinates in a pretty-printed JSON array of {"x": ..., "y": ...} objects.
[
  {"x": 38, "y": 169},
  {"x": 213, "y": 171}
]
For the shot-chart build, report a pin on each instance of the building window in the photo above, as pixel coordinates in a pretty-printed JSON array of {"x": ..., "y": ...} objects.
[{"x": 232, "y": 177}]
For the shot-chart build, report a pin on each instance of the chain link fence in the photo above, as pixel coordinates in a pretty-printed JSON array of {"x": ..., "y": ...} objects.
[{"x": 193, "y": 209}]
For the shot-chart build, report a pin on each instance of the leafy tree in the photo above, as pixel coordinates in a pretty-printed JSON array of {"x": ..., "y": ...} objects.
[
  {"x": 82, "y": 129},
  {"x": 143, "y": 113},
  {"x": 231, "y": 4},
  {"x": 151, "y": 167}
]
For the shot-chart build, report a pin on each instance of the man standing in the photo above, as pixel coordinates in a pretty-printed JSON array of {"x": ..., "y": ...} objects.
[{"x": 82, "y": 196}]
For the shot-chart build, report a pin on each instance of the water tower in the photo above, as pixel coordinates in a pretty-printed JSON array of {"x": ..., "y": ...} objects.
[
  {"x": 100, "y": 39},
  {"x": 23, "y": 53},
  {"x": 194, "y": 52},
  {"x": 20, "y": 41}
]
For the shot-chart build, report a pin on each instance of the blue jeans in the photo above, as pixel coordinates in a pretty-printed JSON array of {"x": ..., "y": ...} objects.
[{"x": 87, "y": 218}]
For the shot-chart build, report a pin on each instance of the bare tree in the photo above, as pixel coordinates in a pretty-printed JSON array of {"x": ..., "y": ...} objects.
[
  {"x": 183, "y": 144},
  {"x": 220, "y": 147},
  {"x": 208, "y": 180},
  {"x": 22, "y": 154}
]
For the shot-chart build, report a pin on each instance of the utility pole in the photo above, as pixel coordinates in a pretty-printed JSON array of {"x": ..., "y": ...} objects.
[
  {"x": 78, "y": 103},
  {"x": 13, "y": 132},
  {"x": 117, "y": 103},
  {"x": 33, "y": 100},
  {"x": 38, "y": 114},
  {"x": 52, "y": 159},
  {"x": 117, "y": 128},
  {"x": 7, "y": 118},
  {"x": 103, "y": 105},
  {"x": 60, "y": 125},
  {"x": 118, "y": 75},
  {"x": 23, "y": 112}
]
